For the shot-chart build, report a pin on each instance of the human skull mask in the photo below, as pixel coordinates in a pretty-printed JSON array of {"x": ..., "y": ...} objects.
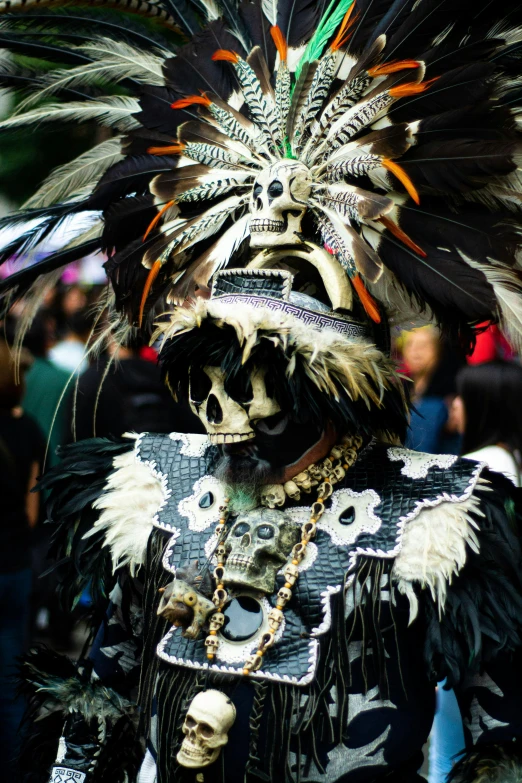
[
  {"x": 228, "y": 417},
  {"x": 207, "y": 723},
  {"x": 278, "y": 203},
  {"x": 257, "y": 546}
]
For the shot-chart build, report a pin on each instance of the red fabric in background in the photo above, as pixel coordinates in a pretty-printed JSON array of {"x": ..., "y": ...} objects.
[{"x": 491, "y": 344}]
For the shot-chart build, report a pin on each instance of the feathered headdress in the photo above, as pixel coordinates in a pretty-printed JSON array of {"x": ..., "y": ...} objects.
[{"x": 383, "y": 132}]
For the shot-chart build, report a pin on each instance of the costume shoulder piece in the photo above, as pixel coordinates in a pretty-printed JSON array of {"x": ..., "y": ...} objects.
[{"x": 103, "y": 500}]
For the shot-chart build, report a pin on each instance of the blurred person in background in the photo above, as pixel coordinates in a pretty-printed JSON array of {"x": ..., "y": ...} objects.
[
  {"x": 46, "y": 388},
  {"x": 69, "y": 352},
  {"x": 21, "y": 458},
  {"x": 124, "y": 392},
  {"x": 432, "y": 368},
  {"x": 488, "y": 414}
]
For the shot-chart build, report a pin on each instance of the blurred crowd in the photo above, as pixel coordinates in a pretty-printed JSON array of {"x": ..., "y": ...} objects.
[{"x": 59, "y": 392}]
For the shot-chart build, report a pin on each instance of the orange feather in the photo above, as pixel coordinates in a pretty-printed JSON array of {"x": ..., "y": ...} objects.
[
  {"x": 154, "y": 223},
  {"x": 367, "y": 300},
  {"x": 173, "y": 149},
  {"x": 154, "y": 272},
  {"x": 342, "y": 34},
  {"x": 190, "y": 100},
  {"x": 398, "y": 65},
  {"x": 280, "y": 42},
  {"x": 402, "y": 177},
  {"x": 225, "y": 55},
  {"x": 394, "y": 229},
  {"x": 411, "y": 88}
]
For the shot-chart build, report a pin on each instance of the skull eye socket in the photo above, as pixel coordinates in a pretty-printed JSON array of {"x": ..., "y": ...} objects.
[
  {"x": 275, "y": 189},
  {"x": 241, "y": 529},
  {"x": 190, "y": 722},
  {"x": 200, "y": 385},
  {"x": 258, "y": 189},
  {"x": 206, "y": 730},
  {"x": 239, "y": 387},
  {"x": 265, "y": 532}
]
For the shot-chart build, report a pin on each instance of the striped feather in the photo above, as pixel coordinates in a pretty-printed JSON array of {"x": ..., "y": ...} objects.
[
  {"x": 282, "y": 96},
  {"x": 183, "y": 234},
  {"x": 211, "y": 190},
  {"x": 353, "y": 203},
  {"x": 317, "y": 93},
  {"x": 143, "y": 8}
]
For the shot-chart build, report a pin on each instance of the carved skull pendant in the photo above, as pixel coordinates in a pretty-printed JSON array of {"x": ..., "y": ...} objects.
[
  {"x": 228, "y": 410},
  {"x": 278, "y": 203},
  {"x": 257, "y": 546},
  {"x": 209, "y": 719}
]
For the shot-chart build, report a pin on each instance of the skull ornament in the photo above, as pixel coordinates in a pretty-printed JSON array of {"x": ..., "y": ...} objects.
[
  {"x": 183, "y": 606},
  {"x": 278, "y": 203},
  {"x": 257, "y": 546},
  {"x": 228, "y": 410},
  {"x": 207, "y": 723}
]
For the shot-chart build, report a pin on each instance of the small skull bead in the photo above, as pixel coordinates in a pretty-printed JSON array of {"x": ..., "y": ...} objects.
[
  {"x": 303, "y": 481},
  {"x": 284, "y": 595},
  {"x": 216, "y": 621},
  {"x": 292, "y": 490},
  {"x": 212, "y": 644},
  {"x": 291, "y": 573},
  {"x": 275, "y": 618},
  {"x": 273, "y": 496}
]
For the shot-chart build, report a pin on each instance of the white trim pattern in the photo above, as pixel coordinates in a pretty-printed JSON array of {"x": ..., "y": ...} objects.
[
  {"x": 202, "y": 518},
  {"x": 417, "y": 463}
]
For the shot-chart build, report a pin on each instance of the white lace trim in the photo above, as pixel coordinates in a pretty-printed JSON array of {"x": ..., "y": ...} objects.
[
  {"x": 417, "y": 463},
  {"x": 201, "y": 518},
  {"x": 193, "y": 445}
]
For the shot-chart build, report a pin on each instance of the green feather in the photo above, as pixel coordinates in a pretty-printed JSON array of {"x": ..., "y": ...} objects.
[{"x": 330, "y": 21}]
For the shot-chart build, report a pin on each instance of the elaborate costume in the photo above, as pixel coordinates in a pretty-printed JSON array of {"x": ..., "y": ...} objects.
[{"x": 283, "y": 592}]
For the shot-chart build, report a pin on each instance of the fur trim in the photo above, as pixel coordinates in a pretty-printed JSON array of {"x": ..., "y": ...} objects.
[
  {"x": 330, "y": 359},
  {"x": 131, "y": 499},
  {"x": 434, "y": 550}
]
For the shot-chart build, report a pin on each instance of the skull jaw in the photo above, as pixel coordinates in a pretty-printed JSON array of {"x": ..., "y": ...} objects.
[
  {"x": 274, "y": 233},
  {"x": 194, "y": 757},
  {"x": 252, "y": 578},
  {"x": 230, "y": 437}
]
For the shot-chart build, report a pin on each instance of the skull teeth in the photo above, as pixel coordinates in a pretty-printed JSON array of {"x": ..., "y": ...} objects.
[
  {"x": 278, "y": 226},
  {"x": 240, "y": 561},
  {"x": 231, "y": 437}
]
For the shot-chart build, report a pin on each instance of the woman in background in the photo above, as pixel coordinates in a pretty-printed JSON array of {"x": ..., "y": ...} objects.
[{"x": 488, "y": 414}]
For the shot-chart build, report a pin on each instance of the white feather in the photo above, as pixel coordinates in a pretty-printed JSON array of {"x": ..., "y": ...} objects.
[
  {"x": 114, "y": 111},
  {"x": 79, "y": 174},
  {"x": 223, "y": 250},
  {"x": 270, "y": 10},
  {"x": 114, "y": 61},
  {"x": 434, "y": 550},
  {"x": 132, "y": 497}
]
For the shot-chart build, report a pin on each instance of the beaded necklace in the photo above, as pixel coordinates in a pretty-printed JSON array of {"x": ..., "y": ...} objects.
[{"x": 323, "y": 475}]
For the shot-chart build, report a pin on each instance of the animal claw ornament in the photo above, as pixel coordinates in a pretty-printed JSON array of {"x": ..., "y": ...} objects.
[
  {"x": 278, "y": 202},
  {"x": 184, "y": 607},
  {"x": 209, "y": 718},
  {"x": 257, "y": 546},
  {"x": 228, "y": 413}
]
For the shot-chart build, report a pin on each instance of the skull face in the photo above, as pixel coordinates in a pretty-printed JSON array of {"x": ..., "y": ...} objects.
[
  {"x": 278, "y": 203},
  {"x": 257, "y": 546},
  {"x": 228, "y": 410},
  {"x": 208, "y": 721}
]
